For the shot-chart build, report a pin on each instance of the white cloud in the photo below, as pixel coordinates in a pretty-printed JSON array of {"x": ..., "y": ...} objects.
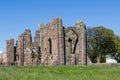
[{"x": 0, "y": 52}]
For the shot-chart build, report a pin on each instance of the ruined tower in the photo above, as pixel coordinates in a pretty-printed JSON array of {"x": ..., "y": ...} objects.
[
  {"x": 75, "y": 43},
  {"x": 10, "y": 52},
  {"x": 23, "y": 48},
  {"x": 52, "y": 43}
]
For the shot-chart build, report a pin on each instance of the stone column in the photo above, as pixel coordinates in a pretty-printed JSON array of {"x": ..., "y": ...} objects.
[
  {"x": 10, "y": 52},
  {"x": 80, "y": 25},
  {"x": 61, "y": 41},
  {"x": 20, "y": 50}
]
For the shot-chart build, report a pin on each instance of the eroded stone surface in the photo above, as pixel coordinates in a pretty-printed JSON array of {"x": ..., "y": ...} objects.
[
  {"x": 52, "y": 45},
  {"x": 10, "y": 52}
]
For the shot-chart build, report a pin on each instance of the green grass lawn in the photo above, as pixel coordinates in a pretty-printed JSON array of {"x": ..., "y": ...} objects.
[{"x": 59, "y": 73}]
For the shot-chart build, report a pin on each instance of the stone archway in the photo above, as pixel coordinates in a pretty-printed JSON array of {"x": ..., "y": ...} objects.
[{"x": 71, "y": 40}]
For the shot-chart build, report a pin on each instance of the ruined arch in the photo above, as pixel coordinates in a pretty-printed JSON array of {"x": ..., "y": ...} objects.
[{"x": 71, "y": 40}]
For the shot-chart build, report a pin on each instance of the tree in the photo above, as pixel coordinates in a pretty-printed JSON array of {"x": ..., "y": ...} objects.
[
  {"x": 116, "y": 55},
  {"x": 100, "y": 42}
]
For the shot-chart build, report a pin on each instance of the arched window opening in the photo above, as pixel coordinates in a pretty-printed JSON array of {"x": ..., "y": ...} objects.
[
  {"x": 50, "y": 46},
  {"x": 33, "y": 50},
  {"x": 70, "y": 44},
  {"x": 70, "y": 40}
]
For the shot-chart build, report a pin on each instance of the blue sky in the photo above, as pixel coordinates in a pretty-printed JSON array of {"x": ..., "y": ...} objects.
[{"x": 18, "y": 15}]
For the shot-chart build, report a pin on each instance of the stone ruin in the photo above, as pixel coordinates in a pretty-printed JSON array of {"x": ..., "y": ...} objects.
[
  {"x": 3, "y": 59},
  {"x": 53, "y": 45}
]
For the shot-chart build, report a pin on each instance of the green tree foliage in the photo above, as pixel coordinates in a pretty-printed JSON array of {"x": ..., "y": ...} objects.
[
  {"x": 100, "y": 42},
  {"x": 116, "y": 55}
]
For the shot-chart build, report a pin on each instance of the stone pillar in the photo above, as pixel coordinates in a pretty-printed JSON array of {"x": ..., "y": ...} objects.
[
  {"x": 20, "y": 50},
  {"x": 27, "y": 39},
  {"x": 24, "y": 42},
  {"x": 37, "y": 38},
  {"x": 40, "y": 28},
  {"x": 61, "y": 42},
  {"x": 80, "y": 25},
  {"x": 10, "y": 52}
]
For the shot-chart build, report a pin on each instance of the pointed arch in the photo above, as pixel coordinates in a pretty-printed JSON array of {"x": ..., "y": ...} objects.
[
  {"x": 50, "y": 46},
  {"x": 71, "y": 39}
]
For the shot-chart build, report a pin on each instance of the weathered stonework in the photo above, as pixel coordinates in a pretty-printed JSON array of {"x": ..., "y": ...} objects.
[
  {"x": 3, "y": 58},
  {"x": 53, "y": 45},
  {"x": 10, "y": 52},
  {"x": 75, "y": 40}
]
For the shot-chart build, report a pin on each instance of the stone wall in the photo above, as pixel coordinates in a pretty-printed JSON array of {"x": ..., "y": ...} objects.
[
  {"x": 10, "y": 52},
  {"x": 75, "y": 42},
  {"x": 20, "y": 51},
  {"x": 23, "y": 49},
  {"x": 1, "y": 58},
  {"x": 53, "y": 45},
  {"x": 4, "y": 59}
]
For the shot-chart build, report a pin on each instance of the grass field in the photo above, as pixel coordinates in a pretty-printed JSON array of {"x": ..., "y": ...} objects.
[{"x": 59, "y": 73}]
